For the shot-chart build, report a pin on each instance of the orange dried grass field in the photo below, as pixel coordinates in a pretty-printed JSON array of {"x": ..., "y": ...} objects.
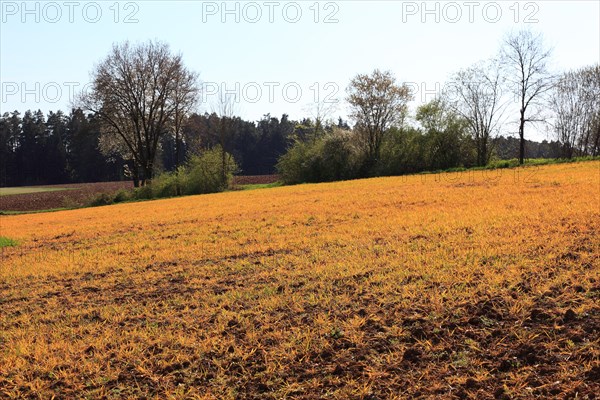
[{"x": 465, "y": 285}]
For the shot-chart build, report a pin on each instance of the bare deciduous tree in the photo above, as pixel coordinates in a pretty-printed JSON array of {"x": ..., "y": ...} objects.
[
  {"x": 526, "y": 60},
  {"x": 575, "y": 102},
  {"x": 225, "y": 108},
  {"x": 321, "y": 111},
  {"x": 590, "y": 141},
  {"x": 377, "y": 103},
  {"x": 186, "y": 101},
  {"x": 476, "y": 96},
  {"x": 140, "y": 92}
]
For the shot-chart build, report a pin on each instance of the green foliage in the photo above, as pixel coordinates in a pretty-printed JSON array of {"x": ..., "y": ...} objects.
[
  {"x": 7, "y": 242},
  {"x": 201, "y": 174},
  {"x": 143, "y": 193},
  {"x": 497, "y": 164},
  {"x": 442, "y": 143},
  {"x": 341, "y": 157},
  {"x": 301, "y": 163},
  {"x": 514, "y": 162},
  {"x": 447, "y": 142},
  {"x": 210, "y": 172},
  {"x": 168, "y": 184},
  {"x": 332, "y": 157},
  {"x": 402, "y": 152},
  {"x": 444, "y": 146},
  {"x": 260, "y": 186},
  {"x": 103, "y": 199},
  {"x": 122, "y": 196}
]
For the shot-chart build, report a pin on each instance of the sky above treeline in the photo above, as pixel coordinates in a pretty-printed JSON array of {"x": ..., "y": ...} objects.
[{"x": 279, "y": 56}]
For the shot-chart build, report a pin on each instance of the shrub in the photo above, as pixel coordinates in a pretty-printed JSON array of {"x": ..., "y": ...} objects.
[
  {"x": 202, "y": 174},
  {"x": 328, "y": 158},
  {"x": 167, "y": 185},
  {"x": 341, "y": 158},
  {"x": 210, "y": 172},
  {"x": 402, "y": 152},
  {"x": 122, "y": 195},
  {"x": 301, "y": 163},
  {"x": 103, "y": 199},
  {"x": 143, "y": 193},
  {"x": 7, "y": 242}
]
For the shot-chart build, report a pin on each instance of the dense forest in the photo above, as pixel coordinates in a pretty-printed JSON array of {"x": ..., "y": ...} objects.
[{"x": 38, "y": 149}]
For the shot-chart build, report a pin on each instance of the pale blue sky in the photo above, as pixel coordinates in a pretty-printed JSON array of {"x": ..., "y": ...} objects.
[{"x": 40, "y": 58}]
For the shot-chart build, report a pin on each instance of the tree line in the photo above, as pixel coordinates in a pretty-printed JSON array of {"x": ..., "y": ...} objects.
[
  {"x": 37, "y": 149},
  {"x": 139, "y": 119},
  {"x": 59, "y": 148},
  {"x": 462, "y": 127}
]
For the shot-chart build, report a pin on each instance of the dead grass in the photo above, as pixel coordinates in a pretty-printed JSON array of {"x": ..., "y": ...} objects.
[{"x": 443, "y": 286}]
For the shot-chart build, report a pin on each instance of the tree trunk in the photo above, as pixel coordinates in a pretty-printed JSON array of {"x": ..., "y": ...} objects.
[
  {"x": 481, "y": 153},
  {"x": 522, "y": 138},
  {"x": 142, "y": 176},
  {"x": 596, "y": 150},
  {"x": 484, "y": 155},
  {"x": 148, "y": 173},
  {"x": 135, "y": 175}
]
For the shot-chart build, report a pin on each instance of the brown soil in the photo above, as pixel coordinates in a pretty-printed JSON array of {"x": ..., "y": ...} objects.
[{"x": 80, "y": 194}]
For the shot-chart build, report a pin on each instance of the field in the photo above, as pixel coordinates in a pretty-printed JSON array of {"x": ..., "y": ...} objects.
[
  {"x": 52, "y": 197},
  {"x": 27, "y": 190},
  {"x": 55, "y": 196},
  {"x": 480, "y": 285}
]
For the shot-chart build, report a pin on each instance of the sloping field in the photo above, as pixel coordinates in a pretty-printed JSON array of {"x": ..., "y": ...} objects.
[{"x": 474, "y": 285}]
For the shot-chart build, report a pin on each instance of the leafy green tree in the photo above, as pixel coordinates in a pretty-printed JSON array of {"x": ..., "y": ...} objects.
[
  {"x": 446, "y": 136},
  {"x": 331, "y": 157},
  {"x": 402, "y": 152}
]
